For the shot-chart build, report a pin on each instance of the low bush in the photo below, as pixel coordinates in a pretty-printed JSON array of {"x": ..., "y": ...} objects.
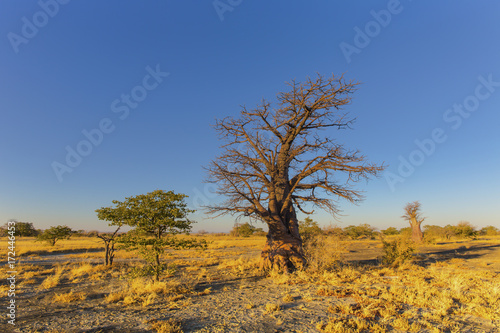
[
  {"x": 359, "y": 231},
  {"x": 489, "y": 231},
  {"x": 398, "y": 251},
  {"x": 246, "y": 230},
  {"x": 322, "y": 252},
  {"x": 390, "y": 231},
  {"x": 309, "y": 229}
]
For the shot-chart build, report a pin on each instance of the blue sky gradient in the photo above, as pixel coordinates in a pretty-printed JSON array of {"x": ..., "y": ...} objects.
[{"x": 415, "y": 60}]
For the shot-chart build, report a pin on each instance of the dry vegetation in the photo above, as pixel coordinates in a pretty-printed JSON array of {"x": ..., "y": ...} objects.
[{"x": 451, "y": 286}]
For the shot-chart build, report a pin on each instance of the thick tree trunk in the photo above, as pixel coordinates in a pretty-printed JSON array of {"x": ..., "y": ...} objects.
[
  {"x": 416, "y": 233},
  {"x": 283, "y": 250}
]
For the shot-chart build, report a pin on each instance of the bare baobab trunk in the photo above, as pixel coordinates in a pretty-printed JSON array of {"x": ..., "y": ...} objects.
[
  {"x": 416, "y": 233},
  {"x": 413, "y": 215},
  {"x": 279, "y": 159},
  {"x": 283, "y": 249}
]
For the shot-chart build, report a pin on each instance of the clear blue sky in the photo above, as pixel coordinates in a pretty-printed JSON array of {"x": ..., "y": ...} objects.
[{"x": 69, "y": 68}]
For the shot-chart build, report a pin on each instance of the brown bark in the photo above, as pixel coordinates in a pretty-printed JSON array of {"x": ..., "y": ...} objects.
[
  {"x": 282, "y": 254},
  {"x": 106, "y": 245},
  {"x": 111, "y": 253},
  {"x": 283, "y": 249},
  {"x": 416, "y": 233},
  {"x": 109, "y": 245},
  {"x": 413, "y": 215},
  {"x": 279, "y": 159}
]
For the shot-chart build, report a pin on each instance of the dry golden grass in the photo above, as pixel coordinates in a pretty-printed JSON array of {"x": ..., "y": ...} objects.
[
  {"x": 272, "y": 307},
  {"x": 287, "y": 298},
  {"x": 324, "y": 253},
  {"x": 250, "y": 306},
  {"x": 29, "y": 245},
  {"x": 225, "y": 242},
  {"x": 440, "y": 291},
  {"x": 52, "y": 281},
  {"x": 69, "y": 297},
  {"x": 167, "y": 326},
  {"x": 146, "y": 291},
  {"x": 411, "y": 298},
  {"x": 240, "y": 266}
]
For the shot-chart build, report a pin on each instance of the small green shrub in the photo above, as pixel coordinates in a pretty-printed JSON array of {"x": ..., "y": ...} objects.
[{"x": 398, "y": 251}]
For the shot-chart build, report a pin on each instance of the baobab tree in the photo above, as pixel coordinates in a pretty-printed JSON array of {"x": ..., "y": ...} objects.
[
  {"x": 414, "y": 216},
  {"x": 279, "y": 159}
]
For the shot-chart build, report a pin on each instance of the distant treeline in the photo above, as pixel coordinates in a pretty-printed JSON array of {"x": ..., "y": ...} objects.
[{"x": 307, "y": 228}]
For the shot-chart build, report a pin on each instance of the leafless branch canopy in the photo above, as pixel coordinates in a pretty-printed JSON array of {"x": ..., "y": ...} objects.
[
  {"x": 282, "y": 157},
  {"x": 413, "y": 213}
]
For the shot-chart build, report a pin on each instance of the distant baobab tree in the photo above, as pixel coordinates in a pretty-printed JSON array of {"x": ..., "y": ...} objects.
[
  {"x": 413, "y": 215},
  {"x": 279, "y": 159}
]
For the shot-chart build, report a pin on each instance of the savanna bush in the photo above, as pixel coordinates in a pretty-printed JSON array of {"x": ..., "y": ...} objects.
[
  {"x": 309, "y": 229},
  {"x": 246, "y": 230},
  {"x": 322, "y": 252},
  {"x": 335, "y": 231},
  {"x": 489, "y": 231},
  {"x": 359, "y": 231},
  {"x": 464, "y": 229},
  {"x": 398, "y": 251},
  {"x": 390, "y": 231}
]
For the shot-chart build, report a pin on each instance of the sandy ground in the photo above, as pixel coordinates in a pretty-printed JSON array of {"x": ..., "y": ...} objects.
[{"x": 223, "y": 302}]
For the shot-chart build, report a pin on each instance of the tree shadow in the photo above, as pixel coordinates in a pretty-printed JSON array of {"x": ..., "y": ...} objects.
[
  {"x": 463, "y": 252},
  {"x": 218, "y": 285}
]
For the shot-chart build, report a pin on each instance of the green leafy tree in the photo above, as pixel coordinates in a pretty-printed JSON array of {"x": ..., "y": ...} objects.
[
  {"x": 53, "y": 234},
  {"x": 434, "y": 232},
  {"x": 449, "y": 231},
  {"x": 465, "y": 229},
  {"x": 390, "y": 231},
  {"x": 156, "y": 218},
  {"x": 335, "y": 231},
  {"x": 245, "y": 230},
  {"x": 309, "y": 228},
  {"x": 489, "y": 231},
  {"x": 405, "y": 232},
  {"x": 109, "y": 245},
  {"x": 23, "y": 229},
  {"x": 358, "y": 231},
  {"x": 26, "y": 229}
]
